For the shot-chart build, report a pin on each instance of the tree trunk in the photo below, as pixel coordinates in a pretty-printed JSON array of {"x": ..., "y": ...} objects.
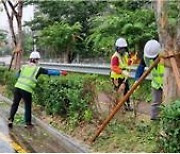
[
  {"x": 65, "y": 57},
  {"x": 169, "y": 43},
  {"x": 68, "y": 56},
  {"x": 20, "y": 34}
]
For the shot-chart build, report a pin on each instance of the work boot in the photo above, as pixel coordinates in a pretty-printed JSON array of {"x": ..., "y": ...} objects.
[
  {"x": 128, "y": 107},
  {"x": 10, "y": 123},
  {"x": 29, "y": 125}
]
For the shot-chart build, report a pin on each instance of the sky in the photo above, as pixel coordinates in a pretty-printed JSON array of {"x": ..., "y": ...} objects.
[{"x": 27, "y": 15}]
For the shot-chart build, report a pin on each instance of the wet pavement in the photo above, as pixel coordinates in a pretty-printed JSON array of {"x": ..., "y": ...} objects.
[
  {"x": 42, "y": 137},
  {"x": 5, "y": 140}
]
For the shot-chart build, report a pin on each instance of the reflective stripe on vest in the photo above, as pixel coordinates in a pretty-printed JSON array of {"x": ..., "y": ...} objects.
[
  {"x": 27, "y": 79},
  {"x": 123, "y": 63},
  {"x": 157, "y": 74}
]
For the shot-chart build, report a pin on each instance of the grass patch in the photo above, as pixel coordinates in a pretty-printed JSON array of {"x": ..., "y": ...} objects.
[
  {"x": 19, "y": 119},
  {"x": 128, "y": 136}
]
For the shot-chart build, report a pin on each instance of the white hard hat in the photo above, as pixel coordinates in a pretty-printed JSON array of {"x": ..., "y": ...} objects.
[
  {"x": 152, "y": 49},
  {"x": 34, "y": 55},
  {"x": 121, "y": 42}
]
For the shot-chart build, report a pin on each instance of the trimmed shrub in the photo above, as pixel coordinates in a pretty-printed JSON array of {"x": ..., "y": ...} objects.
[
  {"x": 8, "y": 78},
  {"x": 71, "y": 96}
]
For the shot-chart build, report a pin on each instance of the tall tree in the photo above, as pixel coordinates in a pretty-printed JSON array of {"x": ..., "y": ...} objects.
[
  {"x": 137, "y": 26},
  {"x": 168, "y": 13},
  {"x": 62, "y": 39},
  {"x": 70, "y": 12},
  {"x": 15, "y": 9}
]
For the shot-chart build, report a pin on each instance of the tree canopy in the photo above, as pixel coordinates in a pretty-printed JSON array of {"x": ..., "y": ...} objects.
[{"x": 101, "y": 22}]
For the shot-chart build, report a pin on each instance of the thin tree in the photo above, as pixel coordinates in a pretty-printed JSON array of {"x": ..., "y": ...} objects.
[{"x": 14, "y": 9}]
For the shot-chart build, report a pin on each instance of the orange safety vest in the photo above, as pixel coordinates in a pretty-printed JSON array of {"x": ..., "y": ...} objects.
[{"x": 123, "y": 64}]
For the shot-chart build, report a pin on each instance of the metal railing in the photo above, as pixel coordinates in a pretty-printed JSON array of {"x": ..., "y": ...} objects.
[
  {"x": 2, "y": 63},
  {"x": 103, "y": 69}
]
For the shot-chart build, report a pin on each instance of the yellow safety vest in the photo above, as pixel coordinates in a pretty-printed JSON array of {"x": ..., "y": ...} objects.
[
  {"x": 123, "y": 64},
  {"x": 157, "y": 74},
  {"x": 27, "y": 79}
]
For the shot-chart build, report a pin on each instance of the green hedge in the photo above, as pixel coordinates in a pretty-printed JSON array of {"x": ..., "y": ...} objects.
[
  {"x": 71, "y": 96},
  {"x": 170, "y": 124},
  {"x": 7, "y": 78},
  {"x": 143, "y": 93}
]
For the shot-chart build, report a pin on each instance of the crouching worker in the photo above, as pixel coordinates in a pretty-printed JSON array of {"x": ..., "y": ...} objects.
[
  {"x": 119, "y": 75},
  {"x": 25, "y": 85}
]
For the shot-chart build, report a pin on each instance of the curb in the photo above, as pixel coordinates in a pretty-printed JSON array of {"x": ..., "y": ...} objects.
[{"x": 68, "y": 143}]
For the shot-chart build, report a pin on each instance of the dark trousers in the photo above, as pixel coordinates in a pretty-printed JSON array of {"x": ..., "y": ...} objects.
[
  {"x": 157, "y": 100},
  {"x": 120, "y": 81},
  {"x": 27, "y": 97}
]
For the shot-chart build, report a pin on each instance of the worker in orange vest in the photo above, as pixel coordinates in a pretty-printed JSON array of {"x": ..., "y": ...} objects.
[{"x": 119, "y": 74}]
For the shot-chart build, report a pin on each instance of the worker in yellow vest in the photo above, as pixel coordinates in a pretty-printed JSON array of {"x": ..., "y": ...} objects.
[
  {"x": 119, "y": 74},
  {"x": 151, "y": 51},
  {"x": 25, "y": 85}
]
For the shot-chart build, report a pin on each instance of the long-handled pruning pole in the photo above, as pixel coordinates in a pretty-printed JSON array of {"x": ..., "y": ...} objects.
[
  {"x": 124, "y": 99},
  {"x": 173, "y": 62}
]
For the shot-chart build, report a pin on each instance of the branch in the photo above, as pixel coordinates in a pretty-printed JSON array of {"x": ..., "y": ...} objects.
[
  {"x": 10, "y": 19},
  {"x": 16, "y": 5},
  {"x": 6, "y": 9},
  {"x": 20, "y": 8},
  {"x": 178, "y": 30},
  {"x": 13, "y": 8}
]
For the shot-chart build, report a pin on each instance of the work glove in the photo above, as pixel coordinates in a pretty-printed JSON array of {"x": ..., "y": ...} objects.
[
  {"x": 126, "y": 73},
  {"x": 64, "y": 73}
]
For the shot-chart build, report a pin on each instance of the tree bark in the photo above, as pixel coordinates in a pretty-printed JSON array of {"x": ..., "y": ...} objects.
[
  {"x": 169, "y": 43},
  {"x": 20, "y": 35},
  {"x": 68, "y": 55}
]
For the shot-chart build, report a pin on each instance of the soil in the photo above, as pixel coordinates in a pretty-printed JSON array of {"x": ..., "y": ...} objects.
[
  {"x": 84, "y": 131},
  {"x": 107, "y": 101}
]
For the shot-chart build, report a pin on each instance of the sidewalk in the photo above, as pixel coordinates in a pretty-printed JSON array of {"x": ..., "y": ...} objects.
[{"x": 42, "y": 138}]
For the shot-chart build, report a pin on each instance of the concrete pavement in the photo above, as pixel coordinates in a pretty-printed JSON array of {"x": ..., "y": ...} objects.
[
  {"x": 42, "y": 138},
  {"x": 5, "y": 140}
]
